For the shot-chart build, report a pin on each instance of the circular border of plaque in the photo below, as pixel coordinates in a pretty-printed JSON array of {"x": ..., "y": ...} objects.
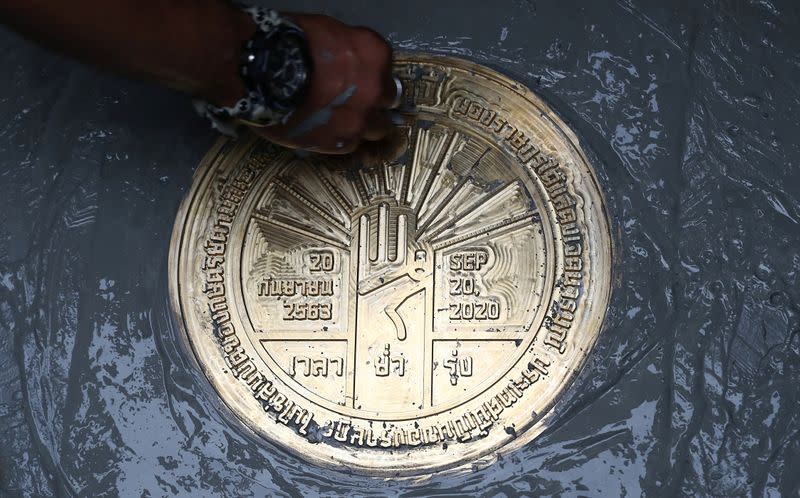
[{"x": 545, "y": 187}]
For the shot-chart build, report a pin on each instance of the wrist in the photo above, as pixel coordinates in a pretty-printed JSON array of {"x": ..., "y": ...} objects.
[
  {"x": 224, "y": 86},
  {"x": 264, "y": 79}
]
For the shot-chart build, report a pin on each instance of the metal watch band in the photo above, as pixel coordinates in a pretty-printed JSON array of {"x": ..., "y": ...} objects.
[{"x": 251, "y": 108}]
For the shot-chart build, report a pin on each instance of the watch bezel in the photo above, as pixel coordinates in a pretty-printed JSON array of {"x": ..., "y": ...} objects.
[{"x": 265, "y": 41}]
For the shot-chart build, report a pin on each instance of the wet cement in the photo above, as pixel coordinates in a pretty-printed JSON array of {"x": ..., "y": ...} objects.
[{"x": 692, "y": 115}]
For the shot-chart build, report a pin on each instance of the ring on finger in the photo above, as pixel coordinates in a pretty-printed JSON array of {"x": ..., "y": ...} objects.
[{"x": 398, "y": 96}]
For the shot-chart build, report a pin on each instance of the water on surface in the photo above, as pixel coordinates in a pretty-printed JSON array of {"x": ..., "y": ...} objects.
[{"x": 692, "y": 115}]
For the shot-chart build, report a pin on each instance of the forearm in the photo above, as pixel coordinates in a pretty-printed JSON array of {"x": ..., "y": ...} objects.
[
  {"x": 195, "y": 46},
  {"x": 191, "y": 46}
]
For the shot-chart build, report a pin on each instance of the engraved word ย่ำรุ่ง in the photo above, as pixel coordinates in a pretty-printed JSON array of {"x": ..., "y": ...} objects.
[
  {"x": 317, "y": 367},
  {"x": 386, "y": 364},
  {"x": 458, "y": 367}
]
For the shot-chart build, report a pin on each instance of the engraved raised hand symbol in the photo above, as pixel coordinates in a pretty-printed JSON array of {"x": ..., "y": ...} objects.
[
  {"x": 393, "y": 274},
  {"x": 376, "y": 272}
]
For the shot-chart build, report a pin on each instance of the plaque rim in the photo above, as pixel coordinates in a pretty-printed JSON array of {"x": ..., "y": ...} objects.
[{"x": 501, "y": 446}]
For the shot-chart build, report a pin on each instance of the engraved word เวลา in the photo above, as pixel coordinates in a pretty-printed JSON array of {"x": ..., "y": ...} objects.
[
  {"x": 290, "y": 288},
  {"x": 472, "y": 260},
  {"x": 321, "y": 261},
  {"x": 483, "y": 310},
  {"x": 385, "y": 364},
  {"x": 308, "y": 311},
  {"x": 317, "y": 367},
  {"x": 458, "y": 367}
]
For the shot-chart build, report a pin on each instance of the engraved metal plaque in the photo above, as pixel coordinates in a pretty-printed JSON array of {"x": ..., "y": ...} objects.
[{"x": 405, "y": 314}]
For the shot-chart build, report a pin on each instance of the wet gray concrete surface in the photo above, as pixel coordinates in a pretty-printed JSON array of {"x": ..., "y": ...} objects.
[{"x": 691, "y": 114}]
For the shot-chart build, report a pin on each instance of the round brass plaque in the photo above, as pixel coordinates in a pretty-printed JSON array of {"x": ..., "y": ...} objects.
[{"x": 401, "y": 315}]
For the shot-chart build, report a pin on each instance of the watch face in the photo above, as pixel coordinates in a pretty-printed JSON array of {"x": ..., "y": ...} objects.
[{"x": 280, "y": 68}]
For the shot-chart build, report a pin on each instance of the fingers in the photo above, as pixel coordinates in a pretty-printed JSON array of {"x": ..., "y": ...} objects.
[
  {"x": 350, "y": 133},
  {"x": 377, "y": 86},
  {"x": 375, "y": 53},
  {"x": 351, "y": 90},
  {"x": 379, "y": 125},
  {"x": 398, "y": 93},
  {"x": 346, "y": 130}
]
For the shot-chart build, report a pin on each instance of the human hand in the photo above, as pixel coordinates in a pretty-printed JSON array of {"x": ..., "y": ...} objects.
[
  {"x": 350, "y": 93},
  {"x": 411, "y": 260}
]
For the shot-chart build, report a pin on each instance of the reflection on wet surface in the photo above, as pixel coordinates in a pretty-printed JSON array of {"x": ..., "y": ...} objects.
[{"x": 692, "y": 388}]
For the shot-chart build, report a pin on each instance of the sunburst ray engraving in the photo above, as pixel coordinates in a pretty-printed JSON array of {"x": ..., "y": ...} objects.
[{"x": 390, "y": 221}]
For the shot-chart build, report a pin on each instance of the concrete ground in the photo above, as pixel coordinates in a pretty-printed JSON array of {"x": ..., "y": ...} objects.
[{"x": 691, "y": 114}]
